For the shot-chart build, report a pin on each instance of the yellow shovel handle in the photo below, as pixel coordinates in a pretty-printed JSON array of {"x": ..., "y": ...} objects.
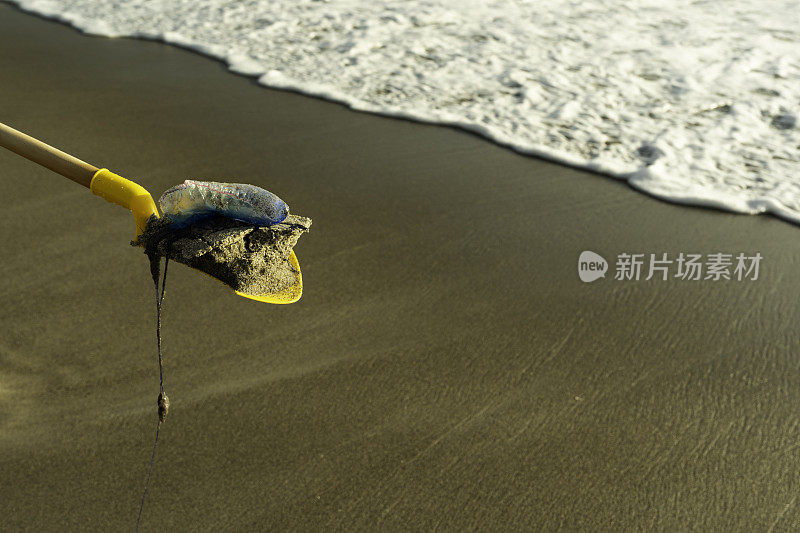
[
  {"x": 124, "y": 192},
  {"x": 101, "y": 182}
]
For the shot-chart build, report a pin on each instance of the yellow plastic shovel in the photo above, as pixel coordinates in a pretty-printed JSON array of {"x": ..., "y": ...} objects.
[{"x": 120, "y": 191}]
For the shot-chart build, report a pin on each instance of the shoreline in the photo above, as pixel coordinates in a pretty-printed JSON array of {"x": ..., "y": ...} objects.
[
  {"x": 640, "y": 180},
  {"x": 445, "y": 366}
]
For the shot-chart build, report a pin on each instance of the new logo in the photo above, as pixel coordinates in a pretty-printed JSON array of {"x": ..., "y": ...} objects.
[{"x": 591, "y": 266}]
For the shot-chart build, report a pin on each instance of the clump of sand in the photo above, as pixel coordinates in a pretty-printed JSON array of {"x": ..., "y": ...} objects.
[{"x": 251, "y": 259}]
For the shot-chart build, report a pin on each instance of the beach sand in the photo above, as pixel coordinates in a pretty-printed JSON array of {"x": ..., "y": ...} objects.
[{"x": 445, "y": 369}]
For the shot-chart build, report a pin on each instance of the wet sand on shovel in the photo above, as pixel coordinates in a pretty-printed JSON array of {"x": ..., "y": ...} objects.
[{"x": 252, "y": 260}]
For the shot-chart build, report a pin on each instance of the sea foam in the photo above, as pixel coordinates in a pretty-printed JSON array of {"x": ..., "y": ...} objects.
[{"x": 694, "y": 102}]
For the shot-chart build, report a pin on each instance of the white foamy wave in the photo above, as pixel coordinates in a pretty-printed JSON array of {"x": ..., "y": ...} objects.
[{"x": 692, "y": 101}]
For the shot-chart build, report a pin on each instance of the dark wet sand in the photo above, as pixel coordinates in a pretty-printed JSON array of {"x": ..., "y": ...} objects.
[{"x": 445, "y": 369}]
